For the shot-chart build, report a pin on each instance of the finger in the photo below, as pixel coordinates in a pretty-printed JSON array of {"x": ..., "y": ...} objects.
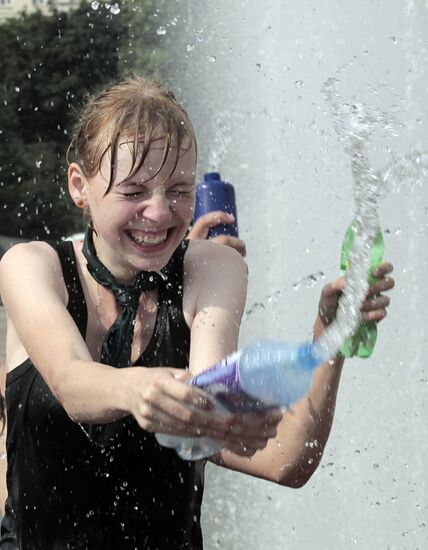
[
  {"x": 203, "y": 224},
  {"x": 239, "y": 428},
  {"x": 375, "y": 316},
  {"x": 262, "y": 419},
  {"x": 174, "y": 386},
  {"x": 168, "y": 389},
  {"x": 181, "y": 374},
  {"x": 227, "y": 240},
  {"x": 174, "y": 417},
  {"x": 245, "y": 448},
  {"x": 236, "y": 435},
  {"x": 378, "y": 302},
  {"x": 255, "y": 425},
  {"x": 383, "y": 269},
  {"x": 382, "y": 285}
]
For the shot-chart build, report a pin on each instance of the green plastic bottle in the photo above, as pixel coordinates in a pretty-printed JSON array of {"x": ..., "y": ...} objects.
[{"x": 363, "y": 341}]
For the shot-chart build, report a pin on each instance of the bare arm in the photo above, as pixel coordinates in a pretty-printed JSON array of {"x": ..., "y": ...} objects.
[
  {"x": 294, "y": 453},
  {"x": 35, "y": 297},
  {"x": 3, "y": 463},
  {"x": 215, "y": 297}
]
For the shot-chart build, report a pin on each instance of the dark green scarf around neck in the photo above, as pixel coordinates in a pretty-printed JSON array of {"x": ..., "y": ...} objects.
[{"x": 117, "y": 345}]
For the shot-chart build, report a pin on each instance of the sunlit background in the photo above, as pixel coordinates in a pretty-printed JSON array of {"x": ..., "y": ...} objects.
[{"x": 250, "y": 75}]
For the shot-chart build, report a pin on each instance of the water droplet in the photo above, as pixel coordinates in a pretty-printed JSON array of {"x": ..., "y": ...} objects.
[
  {"x": 17, "y": 89},
  {"x": 393, "y": 39},
  {"x": 190, "y": 47},
  {"x": 212, "y": 58},
  {"x": 298, "y": 84},
  {"x": 115, "y": 9},
  {"x": 257, "y": 306},
  {"x": 38, "y": 163},
  {"x": 310, "y": 280},
  {"x": 95, "y": 5},
  {"x": 161, "y": 31}
]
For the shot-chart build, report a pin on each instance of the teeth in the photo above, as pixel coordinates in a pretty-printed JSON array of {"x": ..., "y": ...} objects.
[{"x": 148, "y": 238}]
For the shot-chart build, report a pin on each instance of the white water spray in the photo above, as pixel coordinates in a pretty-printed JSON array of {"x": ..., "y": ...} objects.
[{"x": 355, "y": 125}]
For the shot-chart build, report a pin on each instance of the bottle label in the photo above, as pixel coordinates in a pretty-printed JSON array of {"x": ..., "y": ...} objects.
[{"x": 222, "y": 382}]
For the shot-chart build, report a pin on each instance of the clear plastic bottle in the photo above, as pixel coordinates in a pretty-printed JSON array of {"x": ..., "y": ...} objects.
[
  {"x": 263, "y": 375},
  {"x": 363, "y": 341}
]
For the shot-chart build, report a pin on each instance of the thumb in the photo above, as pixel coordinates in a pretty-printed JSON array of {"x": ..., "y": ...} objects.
[{"x": 203, "y": 224}]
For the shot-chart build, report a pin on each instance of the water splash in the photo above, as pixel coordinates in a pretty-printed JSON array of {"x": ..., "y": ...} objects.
[
  {"x": 355, "y": 125},
  {"x": 405, "y": 172},
  {"x": 309, "y": 281}
]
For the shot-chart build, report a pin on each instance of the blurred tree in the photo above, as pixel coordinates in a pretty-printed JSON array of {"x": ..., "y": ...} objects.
[{"x": 49, "y": 64}]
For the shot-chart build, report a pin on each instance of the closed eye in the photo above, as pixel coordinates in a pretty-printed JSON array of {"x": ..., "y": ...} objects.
[
  {"x": 180, "y": 190},
  {"x": 133, "y": 194},
  {"x": 133, "y": 190}
]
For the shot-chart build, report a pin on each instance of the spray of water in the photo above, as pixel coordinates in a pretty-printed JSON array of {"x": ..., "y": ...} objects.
[{"x": 355, "y": 124}]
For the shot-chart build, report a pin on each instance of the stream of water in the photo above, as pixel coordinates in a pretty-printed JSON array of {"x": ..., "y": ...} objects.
[{"x": 355, "y": 125}]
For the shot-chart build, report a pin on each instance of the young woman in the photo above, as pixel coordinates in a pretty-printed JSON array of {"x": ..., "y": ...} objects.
[{"x": 100, "y": 335}]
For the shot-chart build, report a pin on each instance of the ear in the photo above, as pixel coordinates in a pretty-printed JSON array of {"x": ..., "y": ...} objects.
[{"x": 77, "y": 184}]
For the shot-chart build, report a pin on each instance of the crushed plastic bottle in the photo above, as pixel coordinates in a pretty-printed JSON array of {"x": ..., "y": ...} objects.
[{"x": 263, "y": 375}]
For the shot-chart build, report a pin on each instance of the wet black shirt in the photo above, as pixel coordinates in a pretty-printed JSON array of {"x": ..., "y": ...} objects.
[{"x": 67, "y": 493}]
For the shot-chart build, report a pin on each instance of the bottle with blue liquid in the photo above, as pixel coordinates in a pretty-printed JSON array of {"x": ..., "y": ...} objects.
[
  {"x": 215, "y": 194},
  {"x": 263, "y": 375}
]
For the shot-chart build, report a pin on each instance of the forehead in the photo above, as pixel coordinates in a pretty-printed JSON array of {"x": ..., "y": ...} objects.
[{"x": 162, "y": 159}]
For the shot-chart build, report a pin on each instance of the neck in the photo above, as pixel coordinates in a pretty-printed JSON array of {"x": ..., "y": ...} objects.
[{"x": 123, "y": 275}]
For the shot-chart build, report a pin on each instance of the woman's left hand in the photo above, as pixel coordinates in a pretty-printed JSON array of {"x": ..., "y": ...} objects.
[
  {"x": 374, "y": 307},
  {"x": 250, "y": 432},
  {"x": 202, "y": 226}
]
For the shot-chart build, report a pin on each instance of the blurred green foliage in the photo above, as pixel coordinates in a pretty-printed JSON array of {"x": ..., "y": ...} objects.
[{"x": 49, "y": 65}]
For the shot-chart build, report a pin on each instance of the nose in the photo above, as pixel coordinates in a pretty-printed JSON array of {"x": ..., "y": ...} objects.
[{"x": 157, "y": 208}]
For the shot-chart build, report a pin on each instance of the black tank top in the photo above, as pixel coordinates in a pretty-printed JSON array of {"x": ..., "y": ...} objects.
[{"x": 64, "y": 491}]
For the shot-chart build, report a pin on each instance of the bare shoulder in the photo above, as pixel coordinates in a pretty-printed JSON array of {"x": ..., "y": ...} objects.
[
  {"x": 28, "y": 265},
  {"x": 204, "y": 256},
  {"x": 34, "y": 251}
]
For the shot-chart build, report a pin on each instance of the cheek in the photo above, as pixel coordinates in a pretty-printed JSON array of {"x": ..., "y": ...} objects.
[
  {"x": 184, "y": 208},
  {"x": 111, "y": 213}
]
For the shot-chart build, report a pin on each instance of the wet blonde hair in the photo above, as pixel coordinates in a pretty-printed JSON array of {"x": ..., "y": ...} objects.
[{"x": 138, "y": 110}]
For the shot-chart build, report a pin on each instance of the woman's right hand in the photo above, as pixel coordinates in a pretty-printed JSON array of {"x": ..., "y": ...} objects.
[{"x": 161, "y": 401}]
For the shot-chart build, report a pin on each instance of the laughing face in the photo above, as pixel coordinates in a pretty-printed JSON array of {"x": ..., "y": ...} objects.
[{"x": 142, "y": 218}]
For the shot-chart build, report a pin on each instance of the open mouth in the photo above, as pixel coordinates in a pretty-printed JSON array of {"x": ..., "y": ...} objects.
[{"x": 149, "y": 239}]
